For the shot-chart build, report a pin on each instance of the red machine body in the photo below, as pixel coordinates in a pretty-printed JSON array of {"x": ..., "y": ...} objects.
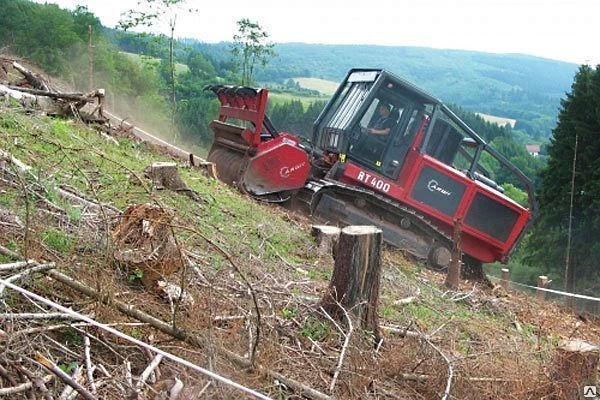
[
  {"x": 272, "y": 161},
  {"x": 416, "y": 183}
]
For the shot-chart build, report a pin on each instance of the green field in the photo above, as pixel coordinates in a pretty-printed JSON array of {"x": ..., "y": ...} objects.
[
  {"x": 501, "y": 121},
  {"x": 322, "y": 85},
  {"x": 275, "y": 97}
]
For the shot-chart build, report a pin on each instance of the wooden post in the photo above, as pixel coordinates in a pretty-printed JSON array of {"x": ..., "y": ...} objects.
[
  {"x": 355, "y": 281},
  {"x": 542, "y": 282},
  {"x": 575, "y": 366},
  {"x": 453, "y": 276},
  {"x": 327, "y": 237},
  {"x": 90, "y": 58},
  {"x": 505, "y": 277}
]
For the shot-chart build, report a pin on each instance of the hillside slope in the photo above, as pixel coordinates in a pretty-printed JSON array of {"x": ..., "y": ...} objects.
[{"x": 243, "y": 259}]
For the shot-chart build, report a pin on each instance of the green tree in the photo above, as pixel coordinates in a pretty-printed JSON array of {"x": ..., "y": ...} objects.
[
  {"x": 151, "y": 12},
  {"x": 578, "y": 123},
  {"x": 250, "y": 47},
  {"x": 199, "y": 66}
]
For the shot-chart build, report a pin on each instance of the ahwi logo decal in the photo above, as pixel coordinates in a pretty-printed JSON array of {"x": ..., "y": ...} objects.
[
  {"x": 285, "y": 172},
  {"x": 434, "y": 186}
]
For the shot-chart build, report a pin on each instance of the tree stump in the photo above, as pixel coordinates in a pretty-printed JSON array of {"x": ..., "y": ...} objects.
[
  {"x": 453, "y": 276},
  {"x": 326, "y": 236},
  {"x": 505, "y": 278},
  {"x": 207, "y": 168},
  {"x": 543, "y": 281},
  {"x": 165, "y": 175},
  {"x": 144, "y": 241},
  {"x": 575, "y": 366},
  {"x": 355, "y": 281}
]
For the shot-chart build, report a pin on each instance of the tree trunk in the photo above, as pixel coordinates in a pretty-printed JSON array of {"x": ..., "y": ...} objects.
[
  {"x": 36, "y": 81},
  {"x": 453, "y": 276},
  {"x": 574, "y": 367},
  {"x": 355, "y": 281}
]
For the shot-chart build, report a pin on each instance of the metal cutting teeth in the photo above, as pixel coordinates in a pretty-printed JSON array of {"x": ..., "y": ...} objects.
[{"x": 228, "y": 163}]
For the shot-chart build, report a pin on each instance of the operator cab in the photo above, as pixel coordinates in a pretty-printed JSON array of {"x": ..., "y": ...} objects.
[
  {"x": 343, "y": 126},
  {"x": 416, "y": 120}
]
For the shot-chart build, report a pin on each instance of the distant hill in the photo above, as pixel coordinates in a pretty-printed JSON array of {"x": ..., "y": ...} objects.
[{"x": 515, "y": 86}]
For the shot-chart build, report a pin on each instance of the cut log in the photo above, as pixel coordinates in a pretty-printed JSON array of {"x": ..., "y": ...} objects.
[
  {"x": 327, "y": 237},
  {"x": 355, "y": 281},
  {"x": 36, "y": 81},
  {"x": 165, "y": 175},
  {"x": 575, "y": 366},
  {"x": 144, "y": 241}
]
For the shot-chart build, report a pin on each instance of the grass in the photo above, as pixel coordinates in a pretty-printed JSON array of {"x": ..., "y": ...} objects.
[
  {"x": 58, "y": 241},
  {"x": 60, "y": 151}
]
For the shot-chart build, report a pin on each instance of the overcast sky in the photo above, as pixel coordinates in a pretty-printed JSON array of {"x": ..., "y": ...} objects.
[{"x": 558, "y": 29}]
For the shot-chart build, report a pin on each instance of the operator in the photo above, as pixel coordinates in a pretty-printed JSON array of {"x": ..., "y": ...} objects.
[{"x": 384, "y": 123}]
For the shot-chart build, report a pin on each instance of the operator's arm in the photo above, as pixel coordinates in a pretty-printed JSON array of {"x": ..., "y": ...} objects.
[{"x": 380, "y": 132}]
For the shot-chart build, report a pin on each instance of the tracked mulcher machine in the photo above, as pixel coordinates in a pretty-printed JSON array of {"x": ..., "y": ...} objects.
[{"x": 427, "y": 174}]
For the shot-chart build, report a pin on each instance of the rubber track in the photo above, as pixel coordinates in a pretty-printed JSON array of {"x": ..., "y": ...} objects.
[{"x": 387, "y": 205}]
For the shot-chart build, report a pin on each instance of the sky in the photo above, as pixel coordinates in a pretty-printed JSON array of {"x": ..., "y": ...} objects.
[{"x": 565, "y": 30}]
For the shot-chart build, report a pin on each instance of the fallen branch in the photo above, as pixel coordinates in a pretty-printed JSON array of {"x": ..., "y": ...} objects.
[
  {"x": 63, "y": 376},
  {"x": 340, "y": 363},
  {"x": 15, "y": 265},
  {"x": 34, "y": 316},
  {"x": 168, "y": 329},
  {"x": 68, "y": 392},
  {"x": 32, "y": 78},
  {"x": 298, "y": 387},
  {"x": 404, "y": 332},
  {"x": 23, "y": 386},
  {"x": 88, "y": 364},
  {"x": 117, "y": 333},
  {"x": 148, "y": 371},
  {"x": 450, "y": 369},
  {"x": 13, "y": 255},
  {"x": 36, "y": 268},
  {"x": 78, "y": 198},
  {"x": 182, "y": 335},
  {"x": 424, "y": 378},
  {"x": 79, "y": 97},
  {"x": 177, "y": 387}
]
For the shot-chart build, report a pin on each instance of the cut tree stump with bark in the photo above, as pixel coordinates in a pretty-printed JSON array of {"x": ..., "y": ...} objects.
[
  {"x": 165, "y": 175},
  {"x": 575, "y": 366},
  {"x": 356, "y": 274},
  {"x": 453, "y": 276},
  {"x": 327, "y": 237},
  {"x": 144, "y": 241}
]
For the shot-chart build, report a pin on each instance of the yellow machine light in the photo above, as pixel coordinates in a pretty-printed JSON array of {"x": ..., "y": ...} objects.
[
  {"x": 378, "y": 163},
  {"x": 342, "y": 157}
]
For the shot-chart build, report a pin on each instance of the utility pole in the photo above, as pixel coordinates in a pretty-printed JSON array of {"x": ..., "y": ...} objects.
[
  {"x": 569, "y": 273},
  {"x": 90, "y": 58}
]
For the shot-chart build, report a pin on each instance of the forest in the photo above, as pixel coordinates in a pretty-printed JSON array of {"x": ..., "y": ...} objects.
[{"x": 139, "y": 75}]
